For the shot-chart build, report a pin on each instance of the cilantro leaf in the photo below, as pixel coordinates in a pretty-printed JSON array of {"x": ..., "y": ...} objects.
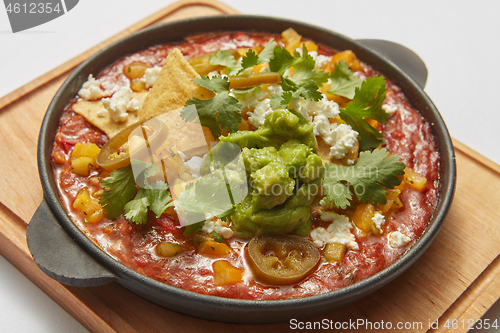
[
  {"x": 268, "y": 52},
  {"x": 367, "y": 103},
  {"x": 369, "y": 178},
  {"x": 136, "y": 210},
  {"x": 308, "y": 91},
  {"x": 119, "y": 190},
  {"x": 207, "y": 195},
  {"x": 249, "y": 60},
  {"x": 344, "y": 82},
  {"x": 305, "y": 81},
  {"x": 303, "y": 72},
  {"x": 219, "y": 113},
  {"x": 158, "y": 198},
  {"x": 282, "y": 60},
  {"x": 225, "y": 58}
]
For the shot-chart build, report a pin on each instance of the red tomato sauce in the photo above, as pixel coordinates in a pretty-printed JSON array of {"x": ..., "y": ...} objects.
[{"x": 406, "y": 133}]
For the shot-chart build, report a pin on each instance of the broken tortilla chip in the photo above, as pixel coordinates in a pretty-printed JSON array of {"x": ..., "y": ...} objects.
[
  {"x": 89, "y": 109},
  {"x": 173, "y": 88}
]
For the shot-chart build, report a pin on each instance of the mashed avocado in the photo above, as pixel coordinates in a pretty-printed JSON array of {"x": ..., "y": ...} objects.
[{"x": 283, "y": 173}]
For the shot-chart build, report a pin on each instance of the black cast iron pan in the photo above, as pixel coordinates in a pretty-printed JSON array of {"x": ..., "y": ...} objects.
[{"x": 64, "y": 253}]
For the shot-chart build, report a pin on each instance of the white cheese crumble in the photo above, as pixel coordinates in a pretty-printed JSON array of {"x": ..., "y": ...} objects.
[
  {"x": 259, "y": 114},
  {"x": 258, "y": 103},
  {"x": 91, "y": 89},
  {"x": 397, "y": 239},
  {"x": 102, "y": 113},
  {"x": 211, "y": 226},
  {"x": 150, "y": 76},
  {"x": 390, "y": 107},
  {"x": 378, "y": 219},
  {"x": 339, "y": 231},
  {"x": 120, "y": 103},
  {"x": 343, "y": 138},
  {"x": 194, "y": 165}
]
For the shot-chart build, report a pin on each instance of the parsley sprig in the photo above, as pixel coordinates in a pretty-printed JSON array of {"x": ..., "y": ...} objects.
[{"x": 368, "y": 178}]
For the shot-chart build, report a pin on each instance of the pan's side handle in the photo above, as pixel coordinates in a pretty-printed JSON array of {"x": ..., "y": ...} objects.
[
  {"x": 401, "y": 56},
  {"x": 58, "y": 255}
]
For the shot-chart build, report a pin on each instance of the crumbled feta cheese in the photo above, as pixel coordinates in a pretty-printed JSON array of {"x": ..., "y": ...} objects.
[
  {"x": 360, "y": 74},
  {"x": 102, "y": 113},
  {"x": 150, "y": 76},
  {"x": 378, "y": 219},
  {"x": 344, "y": 138},
  {"x": 326, "y": 204},
  {"x": 259, "y": 114},
  {"x": 91, "y": 89},
  {"x": 211, "y": 226},
  {"x": 351, "y": 162},
  {"x": 323, "y": 110},
  {"x": 397, "y": 239},
  {"x": 303, "y": 106},
  {"x": 194, "y": 165},
  {"x": 339, "y": 231},
  {"x": 390, "y": 107},
  {"x": 120, "y": 103}
]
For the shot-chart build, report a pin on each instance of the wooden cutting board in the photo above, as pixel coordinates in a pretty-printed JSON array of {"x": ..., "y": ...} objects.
[{"x": 458, "y": 278}]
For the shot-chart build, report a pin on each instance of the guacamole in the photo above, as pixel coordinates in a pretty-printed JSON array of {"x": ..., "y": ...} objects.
[{"x": 283, "y": 175}]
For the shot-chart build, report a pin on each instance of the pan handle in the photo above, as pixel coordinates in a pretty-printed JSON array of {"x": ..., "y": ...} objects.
[
  {"x": 59, "y": 256},
  {"x": 401, "y": 56}
]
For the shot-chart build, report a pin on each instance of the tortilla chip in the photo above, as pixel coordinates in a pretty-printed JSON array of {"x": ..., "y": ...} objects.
[
  {"x": 173, "y": 87},
  {"x": 89, "y": 109},
  {"x": 189, "y": 137}
]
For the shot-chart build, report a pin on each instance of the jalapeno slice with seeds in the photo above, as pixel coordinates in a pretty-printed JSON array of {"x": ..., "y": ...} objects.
[
  {"x": 282, "y": 259},
  {"x": 152, "y": 132}
]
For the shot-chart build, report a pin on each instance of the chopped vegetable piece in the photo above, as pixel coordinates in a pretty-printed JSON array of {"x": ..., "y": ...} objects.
[
  {"x": 282, "y": 259},
  {"x": 88, "y": 206},
  {"x": 225, "y": 273},
  {"x": 135, "y": 70},
  {"x": 212, "y": 248},
  {"x": 253, "y": 80},
  {"x": 150, "y": 133},
  {"x": 169, "y": 249},
  {"x": 363, "y": 216},
  {"x": 414, "y": 180},
  {"x": 334, "y": 251}
]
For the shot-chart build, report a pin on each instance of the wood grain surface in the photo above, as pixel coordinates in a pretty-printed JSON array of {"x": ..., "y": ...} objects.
[{"x": 458, "y": 277}]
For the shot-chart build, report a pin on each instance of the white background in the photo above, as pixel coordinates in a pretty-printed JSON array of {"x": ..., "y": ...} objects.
[{"x": 458, "y": 40}]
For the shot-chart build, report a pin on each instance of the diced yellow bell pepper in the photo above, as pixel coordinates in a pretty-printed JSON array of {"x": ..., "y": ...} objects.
[
  {"x": 225, "y": 273},
  {"x": 362, "y": 217},
  {"x": 85, "y": 150},
  {"x": 88, "y": 206},
  {"x": 310, "y": 46},
  {"x": 292, "y": 39},
  {"x": 349, "y": 57},
  {"x": 83, "y": 158},
  {"x": 169, "y": 249},
  {"x": 212, "y": 248},
  {"x": 393, "y": 201},
  {"x": 334, "y": 251},
  {"x": 414, "y": 180}
]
